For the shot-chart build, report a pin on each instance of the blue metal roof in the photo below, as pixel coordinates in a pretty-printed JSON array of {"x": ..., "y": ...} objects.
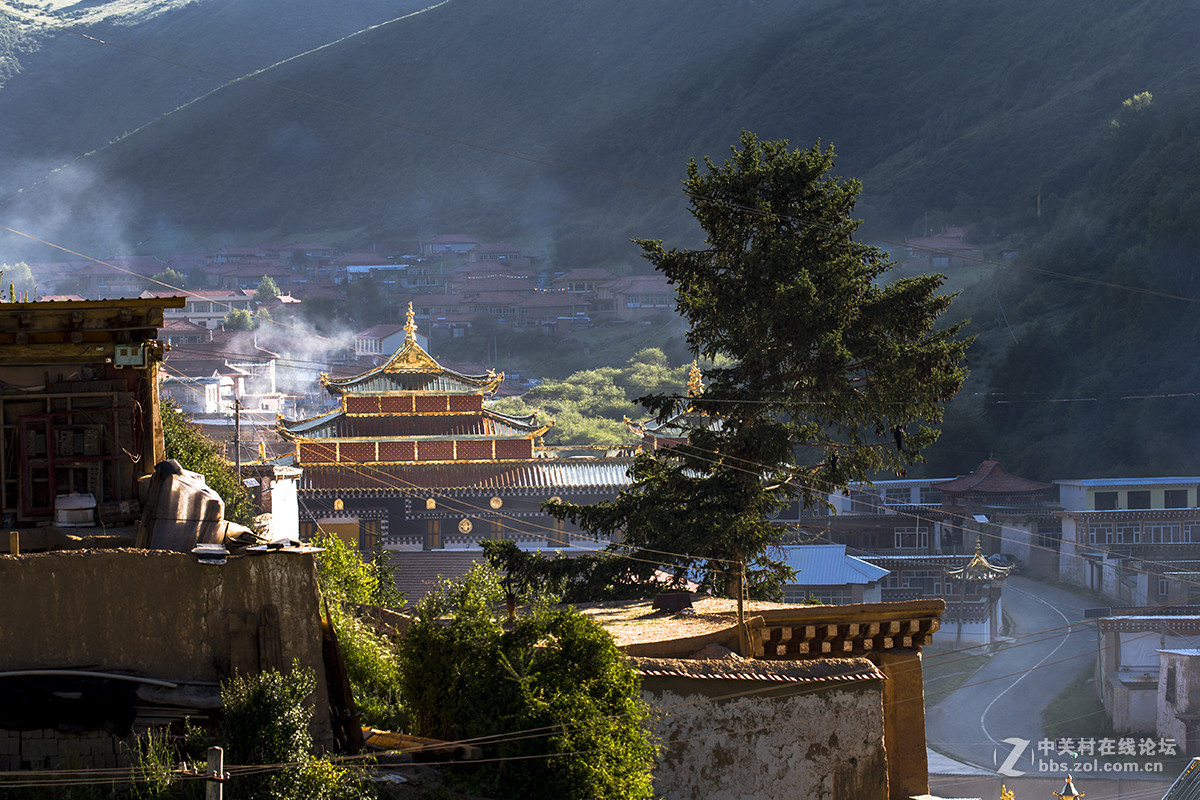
[{"x": 828, "y": 565}]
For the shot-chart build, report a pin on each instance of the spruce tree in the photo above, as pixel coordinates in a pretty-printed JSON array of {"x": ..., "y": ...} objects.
[{"x": 822, "y": 372}]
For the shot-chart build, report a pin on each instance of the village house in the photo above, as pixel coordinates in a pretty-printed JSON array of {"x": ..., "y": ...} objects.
[
  {"x": 794, "y": 701},
  {"x": 207, "y": 307},
  {"x": 639, "y": 298},
  {"x": 937, "y": 538},
  {"x": 448, "y": 244},
  {"x": 1138, "y": 696},
  {"x": 247, "y": 274},
  {"x": 1178, "y": 698},
  {"x": 359, "y": 266},
  {"x": 1124, "y": 538},
  {"x": 827, "y": 574},
  {"x": 79, "y": 392},
  {"x": 381, "y": 340},
  {"x": 497, "y": 253},
  {"x": 940, "y": 252},
  {"x": 80, "y": 438}
]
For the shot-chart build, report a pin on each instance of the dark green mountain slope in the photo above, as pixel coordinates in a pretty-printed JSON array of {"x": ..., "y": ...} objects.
[
  {"x": 955, "y": 109},
  {"x": 567, "y": 124},
  {"x": 68, "y": 90},
  {"x": 1097, "y": 375}
]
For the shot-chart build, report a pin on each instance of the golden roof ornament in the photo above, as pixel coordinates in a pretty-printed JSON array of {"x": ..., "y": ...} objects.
[
  {"x": 978, "y": 568},
  {"x": 695, "y": 382},
  {"x": 410, "y": 327},
  {"x": 1069, "y": 792}
]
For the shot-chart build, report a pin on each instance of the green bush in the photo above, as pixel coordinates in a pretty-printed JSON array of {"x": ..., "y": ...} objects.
[
  {"x": 265, "y": 723},
  {"x": 371, "y": 660},
  {"x": 550, "y": 699}
]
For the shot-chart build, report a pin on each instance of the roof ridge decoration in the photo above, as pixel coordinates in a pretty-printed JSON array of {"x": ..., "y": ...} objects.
[
  {"x": 412, "y": 358},
  {"x": 695, "y": 385},
  {"x": 978, "y": 569}
]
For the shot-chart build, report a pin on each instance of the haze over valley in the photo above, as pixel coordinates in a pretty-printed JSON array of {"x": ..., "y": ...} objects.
[{"x": 565, "y": 128}]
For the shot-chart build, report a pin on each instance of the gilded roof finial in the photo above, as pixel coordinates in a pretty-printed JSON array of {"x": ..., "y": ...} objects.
[
  {"x": 695, "y": 382},
  {"x": 410, "y": 327}
]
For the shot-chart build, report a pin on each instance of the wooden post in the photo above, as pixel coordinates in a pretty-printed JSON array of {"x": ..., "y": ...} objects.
[
  {"x": 14, "y": 543},
  {"x": 743, "y": 632},
  {"x": 214, "y": 786}
]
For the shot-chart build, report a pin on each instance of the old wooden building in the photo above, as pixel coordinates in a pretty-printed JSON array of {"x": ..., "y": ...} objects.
[{"x": 78, "y": 409}]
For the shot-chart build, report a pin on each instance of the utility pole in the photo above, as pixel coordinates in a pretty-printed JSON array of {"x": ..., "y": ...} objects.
[{"x": 237, "y": 434}]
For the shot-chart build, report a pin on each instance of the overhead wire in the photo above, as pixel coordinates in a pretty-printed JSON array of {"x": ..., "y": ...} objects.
[{"x": 1046, "y": 272}]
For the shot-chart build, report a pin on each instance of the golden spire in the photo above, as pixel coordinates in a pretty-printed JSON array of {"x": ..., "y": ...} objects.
[
  {"x": 1005, "y": 793},
  {"x": 695, "y": 382},
  {"x": 410, "y": 327}
]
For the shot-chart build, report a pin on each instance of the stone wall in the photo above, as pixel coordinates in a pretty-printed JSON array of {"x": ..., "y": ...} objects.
[
  {"x": 157, "y": 615},
  {"x": 51, "y": 749},
  {"x": 801, "y": 740}
]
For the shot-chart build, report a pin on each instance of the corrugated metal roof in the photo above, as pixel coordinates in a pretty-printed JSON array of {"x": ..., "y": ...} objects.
[
  {"x": 828, "y": 565},
  {"x": 335, "y": 425},
  {"x": 606, "y": 473}
]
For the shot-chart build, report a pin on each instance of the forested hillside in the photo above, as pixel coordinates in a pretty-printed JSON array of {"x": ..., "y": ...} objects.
[
  {"x": 569, "y": 123},
  {"x": 1087, "y": 362},
  {"x": 80, "y": 78},
  {"x": 565, "y": 127}
]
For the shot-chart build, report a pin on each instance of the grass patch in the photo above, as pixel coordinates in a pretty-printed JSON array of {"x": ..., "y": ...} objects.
[
  {"x": 1076, "y": 709},
  {"x": 945, "y": 669}
]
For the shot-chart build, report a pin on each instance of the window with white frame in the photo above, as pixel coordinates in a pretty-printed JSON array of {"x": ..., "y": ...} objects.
[
  {"x": 1162, "y": 586},
  {"x": 930, "y": 495},
  {"x": 910, "y": 538},
  {"x": 1100, "y": 533},
  {"x": 1163, "y": 532},
  {"x": 1191, "y": 532},
  {"x": 1128, "y": 532},
  {"x": 897, "y": 495},
  {"x": 927, "y": 581}
]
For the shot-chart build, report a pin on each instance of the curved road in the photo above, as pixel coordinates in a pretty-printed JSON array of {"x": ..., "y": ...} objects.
[{"x": 1006, "y": 697}]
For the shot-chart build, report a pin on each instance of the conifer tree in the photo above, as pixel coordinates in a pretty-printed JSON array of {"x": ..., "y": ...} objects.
[{"x": 823, "y": 373}]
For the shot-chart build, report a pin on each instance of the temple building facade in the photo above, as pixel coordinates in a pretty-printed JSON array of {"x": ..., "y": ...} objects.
[{"x": 413, "y": 459}]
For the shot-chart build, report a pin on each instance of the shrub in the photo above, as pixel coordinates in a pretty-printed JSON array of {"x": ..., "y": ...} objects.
[{"x": 559, "y": 698}]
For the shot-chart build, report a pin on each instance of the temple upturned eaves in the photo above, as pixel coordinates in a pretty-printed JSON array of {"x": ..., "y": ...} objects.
[{"x": 413, "y": 457}]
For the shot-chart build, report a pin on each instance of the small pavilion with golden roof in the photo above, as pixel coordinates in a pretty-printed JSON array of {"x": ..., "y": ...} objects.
[{"x": 412, "y": 457}]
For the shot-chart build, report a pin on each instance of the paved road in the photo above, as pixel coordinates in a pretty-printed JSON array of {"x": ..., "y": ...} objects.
[{"x": 1006, "y": 697}]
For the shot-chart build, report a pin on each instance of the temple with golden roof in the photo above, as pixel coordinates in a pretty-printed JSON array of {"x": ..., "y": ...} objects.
[{"x": 414, "y": 459}]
